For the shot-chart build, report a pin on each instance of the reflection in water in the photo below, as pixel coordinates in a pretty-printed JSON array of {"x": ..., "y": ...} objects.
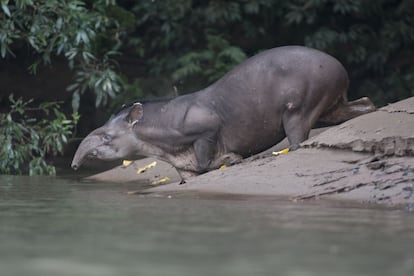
[{"x": 52, "y": 226}]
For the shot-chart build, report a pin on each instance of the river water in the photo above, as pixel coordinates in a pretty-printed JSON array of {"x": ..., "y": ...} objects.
[{"x": 57, "y": 226}]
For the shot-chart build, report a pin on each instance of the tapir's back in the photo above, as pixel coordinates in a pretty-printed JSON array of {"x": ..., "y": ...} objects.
[{"x": 288, "y": 66}]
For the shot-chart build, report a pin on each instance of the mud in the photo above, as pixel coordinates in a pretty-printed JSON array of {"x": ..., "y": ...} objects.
[{"x": 389, "y": 131}]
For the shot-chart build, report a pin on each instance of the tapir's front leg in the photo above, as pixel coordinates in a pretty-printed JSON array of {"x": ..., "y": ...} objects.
[
  {"x": 203, "y": 125},
  {"x": 205, "y": 149}
]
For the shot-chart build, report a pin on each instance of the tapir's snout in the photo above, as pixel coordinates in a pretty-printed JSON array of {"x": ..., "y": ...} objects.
[
  {"x": 81, "y": 156},
  {"x": 76, "y": 162},
  {"x": 86, "y": 149}
]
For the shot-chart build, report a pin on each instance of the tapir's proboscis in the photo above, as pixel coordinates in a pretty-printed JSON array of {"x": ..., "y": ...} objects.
[{"x": 281, "y": 92}]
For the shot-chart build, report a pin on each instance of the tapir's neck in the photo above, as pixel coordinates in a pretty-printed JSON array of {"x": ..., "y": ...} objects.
[
  {"x": 154, "y": 122},
  {"x": 160, "y": 129},
  {"x": 158, "y": 140},
  {"x": 150, "y": 150}
]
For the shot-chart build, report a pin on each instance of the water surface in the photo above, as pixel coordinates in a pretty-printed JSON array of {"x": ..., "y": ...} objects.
[{"x": 54, "y": 226}]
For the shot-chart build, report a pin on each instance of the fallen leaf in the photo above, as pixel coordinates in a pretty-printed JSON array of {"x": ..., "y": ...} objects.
[
  {"x": 159, "y": 181},
  {"x": 126, "y": 163},
  {"x": 145, "y": 168},
  {"x": 283, "y": 151}
]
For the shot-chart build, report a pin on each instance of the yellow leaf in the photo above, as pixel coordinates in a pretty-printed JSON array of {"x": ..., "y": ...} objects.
[
  {"x": 283, "y": 151},
  {"x": 222, "y": 167},
  {"x": 145, "y": 168},
  {"x": 126, "y": 163},
  {"x": 159, "y": 181}
]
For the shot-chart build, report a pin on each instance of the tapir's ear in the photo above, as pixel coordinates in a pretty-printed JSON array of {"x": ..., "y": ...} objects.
[{"x": 135, "y": 113}]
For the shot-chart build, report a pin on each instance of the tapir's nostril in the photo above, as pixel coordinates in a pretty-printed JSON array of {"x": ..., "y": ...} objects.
[{"x": 75, "y": 167}]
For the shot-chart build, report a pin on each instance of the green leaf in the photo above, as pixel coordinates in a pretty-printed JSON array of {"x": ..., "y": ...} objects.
[
  {"x": 99, "y": 98},
  {"x": 59, "y": 23},
  {"x": 5, "y": 8},
  {"x": 3, "y": 49},
  {"x": 75, "y": 101},
  {"x": 73, "y": 87}
]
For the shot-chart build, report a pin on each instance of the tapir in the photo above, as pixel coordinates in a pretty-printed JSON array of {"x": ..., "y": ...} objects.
[{"x": 278, "y": 93}]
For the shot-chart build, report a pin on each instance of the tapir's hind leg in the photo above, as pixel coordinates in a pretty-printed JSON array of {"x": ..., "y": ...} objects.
[
  {"x": 297, "y": 128},
  {"x": 345, "y": 110}
]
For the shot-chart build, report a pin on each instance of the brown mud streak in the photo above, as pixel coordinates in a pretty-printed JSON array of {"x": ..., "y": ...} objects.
[
  {"x": 335, "y": 190},
  {"x": 374, "y": 166}
]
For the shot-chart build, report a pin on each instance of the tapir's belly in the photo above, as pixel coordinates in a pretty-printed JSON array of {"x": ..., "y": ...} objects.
[{"x": 251, "y": 137}]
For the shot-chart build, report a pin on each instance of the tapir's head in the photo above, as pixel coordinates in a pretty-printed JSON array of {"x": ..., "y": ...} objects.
[{"x": 114, "y": 140}]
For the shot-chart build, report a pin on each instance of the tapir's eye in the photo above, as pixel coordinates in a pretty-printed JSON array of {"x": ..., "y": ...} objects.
[{"x": 107, "y": 138}]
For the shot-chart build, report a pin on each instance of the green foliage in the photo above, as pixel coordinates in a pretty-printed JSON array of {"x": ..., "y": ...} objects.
[
  {"x": 99, "y": 78},
  {"x": 190, "y": 41},
  {"x": 132, "y": 91},
  {"x": 71, "y": 28},
  {"x": 211, "y": 63},
  {"x": 27, "y": 141}
]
